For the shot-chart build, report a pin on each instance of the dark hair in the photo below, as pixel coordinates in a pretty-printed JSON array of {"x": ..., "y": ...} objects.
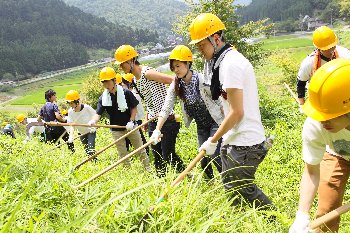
[
  {"x": 220, "y": 33},
  {"x": 185, "y": 62},
  {"x": 49, "y": 93},
  {"x": 136, "y": 61},
  {"x": 126, "y": 82},
  {"x": 179, "y": 89}
]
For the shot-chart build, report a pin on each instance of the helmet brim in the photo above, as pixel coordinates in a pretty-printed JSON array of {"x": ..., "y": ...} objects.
[
  {"x": 328, "y": 46},
  {"x": 315, "y": 114}
]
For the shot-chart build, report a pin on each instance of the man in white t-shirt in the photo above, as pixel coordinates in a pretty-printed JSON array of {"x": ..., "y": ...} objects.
[
  {"x": 325, "y": 41},
  {"x": 326, "y": 144},
  {"x": 231, "y": 77},
  {"x": 81, "y": 113},
  {"x": 22, "y": 119}
]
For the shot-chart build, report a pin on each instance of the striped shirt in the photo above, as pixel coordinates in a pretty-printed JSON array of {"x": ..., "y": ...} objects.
[{"x": 154, "y": 93}]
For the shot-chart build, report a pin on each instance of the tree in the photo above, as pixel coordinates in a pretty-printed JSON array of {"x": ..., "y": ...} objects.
[{"x": 235, "y": 34}]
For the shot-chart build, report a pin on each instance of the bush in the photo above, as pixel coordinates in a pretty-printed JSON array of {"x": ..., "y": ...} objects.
[
  {"x": 91, "y": 91},
  {"x": 289, "y": 66},
  {"x": 8, "y": 77}
]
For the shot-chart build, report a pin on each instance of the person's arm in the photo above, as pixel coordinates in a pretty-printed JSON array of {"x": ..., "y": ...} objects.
[
  {"x": 59, "y": 117},
  {"x": 95, "y": 118},
  {"x": 133, "y": 112},
  {"x": 159, "y": 77},
  {"x": 167, "y": 106},
  {"x": 308, "y": 186},
  {"x": 235, "y": 114},
  {"x": 39, "y": 119}
]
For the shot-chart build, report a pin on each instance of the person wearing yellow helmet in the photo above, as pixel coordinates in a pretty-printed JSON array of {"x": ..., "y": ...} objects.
[
  {"x": 326, "y": 43},
  {"x": 196, "y": 104},
  {"x": 82, "y": 114},
  {"x": 22, "y": 119},
  {"x": 50, "y": 112},
  {"x": 128, "y": 83},
  {"x": 121, "y": 107},
  {"x": 151, "y": 85},
  {"x": 231, "y": 78},
  {"x": 326, "y": 144}
]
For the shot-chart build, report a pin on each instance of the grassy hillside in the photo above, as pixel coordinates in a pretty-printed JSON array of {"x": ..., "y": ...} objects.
[{"x": 38, "y": 194}]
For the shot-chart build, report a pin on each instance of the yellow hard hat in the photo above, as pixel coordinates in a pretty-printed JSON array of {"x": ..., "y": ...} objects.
[
  {"x": 118, "y": 78},
  {"x": 181, "y": 53},
  {"x": 203, "y": 26},
  {"x": 124, "y": 53},
  {"x": 72, "y": 95},
  {"x": 329, "y": 95},
  {"x": 107, "y": 73},
  {"x": 20, "y": 118},
  {"x": 64, "y": 112},
  {"x": 324, "y": 38},
  {"x": 128, "y": 77}
]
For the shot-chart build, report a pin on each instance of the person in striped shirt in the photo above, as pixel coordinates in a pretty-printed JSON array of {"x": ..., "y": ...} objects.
[{"x": 151, "y": 85}]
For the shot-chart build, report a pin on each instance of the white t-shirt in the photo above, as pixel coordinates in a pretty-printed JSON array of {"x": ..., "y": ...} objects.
[
  {"x": 307, "y": 65},
  {"x": 237, "y": 72},
  {"x": 317, "y": 140},
  {"x": 140, "y": 110},
  {"x": 37, "y": 129},
  {"x": 82, "y": 117}
]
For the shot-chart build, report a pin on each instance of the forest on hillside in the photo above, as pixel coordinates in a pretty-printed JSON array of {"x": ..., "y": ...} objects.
[
  {"x": 143, "y": 14},
  {"x": 45, "y": 35}
]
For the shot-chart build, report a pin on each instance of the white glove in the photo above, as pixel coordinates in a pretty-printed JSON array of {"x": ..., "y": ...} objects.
[
  {"x": 301, "y": 109},
  {"x": 301, "y": 223},
  {"x": 129, "y": 125},
  {"x": 92, "y": 130},
  {"x": 208, "y": 146},
  {"x": 70, "y": 139},
  {"x": 155, "y": 136},
  {"x": 92, "y": 122}
]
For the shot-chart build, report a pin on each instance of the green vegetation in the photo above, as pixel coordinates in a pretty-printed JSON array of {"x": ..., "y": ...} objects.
[
  {"x": 45, "y": 35},
  {"x": 285, "y": 43},
  {"x": 141, "y": 14}
]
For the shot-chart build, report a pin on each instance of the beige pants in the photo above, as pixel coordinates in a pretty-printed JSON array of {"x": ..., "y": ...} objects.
[
  {"x": 334, "y": 173},
  {"x": 135, "y": 139}
]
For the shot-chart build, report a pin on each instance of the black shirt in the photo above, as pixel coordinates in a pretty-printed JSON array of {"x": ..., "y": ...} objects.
[
  {"x": 47, "y": 112},
  {"x": 116, "y": 117}
]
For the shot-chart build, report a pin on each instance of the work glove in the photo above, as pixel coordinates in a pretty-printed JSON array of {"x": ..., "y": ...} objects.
[
  {"x": 155, "y": 136},
  {"x": 301, "y": 223},
  {"x": 301, "y": 109},
  {"x": 130, "y": 125},
  {"x": 92, "y": 122},
  {"x": 92, "y": 130},
  {"x": 70, "y": 139},
  {"x": 208, "y": 146}
]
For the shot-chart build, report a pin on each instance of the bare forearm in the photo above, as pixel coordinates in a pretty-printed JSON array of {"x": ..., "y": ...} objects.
[
  {"x": 133, "y": 114},
  {"x": 96, "y": 117},
  {"x": 160, "y": 123},
  {"x": 308, "y": 187},
  {"x": 228, "y": 123}
]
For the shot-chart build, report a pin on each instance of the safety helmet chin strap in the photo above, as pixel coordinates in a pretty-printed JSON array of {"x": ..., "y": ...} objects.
[{"x": 216, "y": 48}]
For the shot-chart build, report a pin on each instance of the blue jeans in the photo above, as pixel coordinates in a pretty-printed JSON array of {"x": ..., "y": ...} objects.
[
  {"x": 239, "y": 164},
  {"x": 88, "y": 140},
  {"x": 164, "y": 152},
  {"x": 203, "y": 134}
]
